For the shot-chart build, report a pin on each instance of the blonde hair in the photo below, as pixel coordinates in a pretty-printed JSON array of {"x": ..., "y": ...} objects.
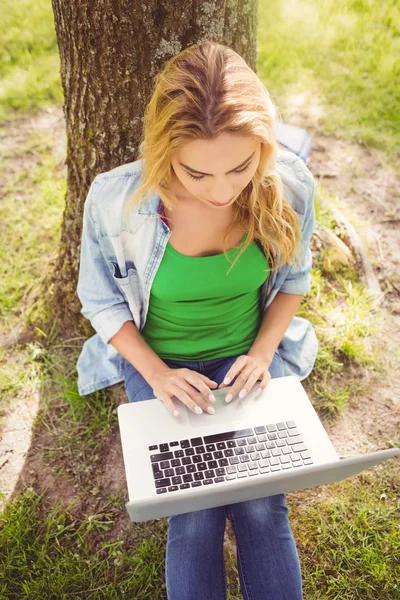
[{"x": 201, "y": 92}]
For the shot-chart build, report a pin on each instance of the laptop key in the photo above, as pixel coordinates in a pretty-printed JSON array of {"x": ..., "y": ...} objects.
[
  {"x": 305, "y": 455},
  {"x": 175, "y": 462},
  {"x": 299, "y": 447},
  {"x": 169, "y": 472},
  {"x": 294, "y": 440},
  {"x": 259, "y": 447},
  {"x": 221, "y": 471},
  {"x": 173, "y": 488},
  {"x": 270, "y": 445},
  {"x": 290, "y": 424},
  {"x": 228, "y": 435},
  {"x": 253, "y": 465},
  {"x": 202, "y": 466},
  {"x": 209, "y": 474},
  {"x": 273, "y": 461},
  {"x": 161, "y": 491},
  {"x": 230, "y": 476},
  {"x": 283, "y": 434},
  {"x": 190, "y": 469},
  {"x": 153, "y": 447},
  {"x": 228, "y": 452},
  {"x": 185, "y": 443},
  {"x": 287, "y": 465},
  {"x": 293, "y": 432},
  {"x": 234, "y": 460},
  {"x": 276, "y": 452},
  {"x": 200, "y": 450},
  {"x": 164, "y": 447},
  {"x": 252, "y": 440},
  {"x": 280, "y": 443},
  {"x": 271, "y": 427},
  {"x": 208, "y": 481},
  {"x": 179, "y": 453},
  {"x": 199, "y": 475},
  {"x": 253, "y": 472},
  {"x": 218, "y": 454},
  {"x": 174, "y": 444},
  {"x": 197, "y": 459},
  {"x": 210, "y": 447},
  {"x": 242, "y": 467},
  {"x": 189, "y": 451},
  {"x": 281, "y": 425},
  {"x": 186, "y": 460},
  {"x": 272, "y": 436},
  {"x": 197, "y": 441},
  {"x": 231, "y": 444},
  {"x": 162, "y": 483},
  {"x": 164, "y": 464},
  {"x": 262, "y": 437},
  {"x": 181, "y": 470},
  {"x": 195, "y": 483},
  {"x": 286, "y": 450},
  {"x": 221, "y": 446},
  {"x": 260, "y": 429},
  {"x": 223, "y": 462},
  {"x": 212, "y": 464},
  {"x": 158, "y": 475},
  {"x": 207, "y": 456},
  {"x": 177, "y": 479},
  {"x": 219, "y": 479},
  {"x": 162, "y": 456},
  {"x": 275, "y": 467},
  {"x": 184, "y": 486},
  {"x": 242, "y": 474},
  {"x": 284, "y": 459},
  {"x": 188, "y": 478},
  {"x": 308, "y": 461}
]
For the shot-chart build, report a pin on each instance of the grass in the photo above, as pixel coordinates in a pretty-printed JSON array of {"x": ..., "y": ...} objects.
[
  {"x": 30, "y": 64},
  {"x": 348, "y": 539},
  {"x": 46, "y": 552},
  {"x": 355, "y": 42}
]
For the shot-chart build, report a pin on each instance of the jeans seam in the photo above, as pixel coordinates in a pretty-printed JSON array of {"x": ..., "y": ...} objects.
[{"x": 241, "y": 558}]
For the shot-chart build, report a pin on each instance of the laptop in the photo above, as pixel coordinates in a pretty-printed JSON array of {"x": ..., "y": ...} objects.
[{"x": 250, "y": 448}]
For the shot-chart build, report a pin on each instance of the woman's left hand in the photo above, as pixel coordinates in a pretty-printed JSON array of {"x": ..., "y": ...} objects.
[{"x": 248, "y": 370}]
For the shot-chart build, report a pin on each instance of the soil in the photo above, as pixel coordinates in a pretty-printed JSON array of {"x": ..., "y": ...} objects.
[{"x": 365, "y": 188}]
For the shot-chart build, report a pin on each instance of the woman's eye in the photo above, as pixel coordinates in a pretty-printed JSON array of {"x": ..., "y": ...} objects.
[{"x": 202, "y": 176}]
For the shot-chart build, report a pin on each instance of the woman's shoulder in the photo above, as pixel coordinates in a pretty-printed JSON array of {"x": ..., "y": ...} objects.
[{"x": 297, "y": 179}]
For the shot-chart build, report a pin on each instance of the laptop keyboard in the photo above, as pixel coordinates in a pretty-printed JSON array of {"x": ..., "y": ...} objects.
[{"x": 198, "y": 461}]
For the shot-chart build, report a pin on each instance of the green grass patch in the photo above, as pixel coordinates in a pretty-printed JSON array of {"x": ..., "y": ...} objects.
[
  {"x": 47, "y": 553},
  {"x": 349, "y": 542},
  {"x": 341, "y": 55},
  {"x": 30, "y": 65},
  {"x": 31, "y": 213}
]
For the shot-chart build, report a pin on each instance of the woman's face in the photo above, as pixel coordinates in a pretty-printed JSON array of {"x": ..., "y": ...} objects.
[{"x": 215, "y": 171}]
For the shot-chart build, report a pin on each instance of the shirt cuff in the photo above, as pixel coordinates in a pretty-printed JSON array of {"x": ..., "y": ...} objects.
[{"x": 110, "y": 320}]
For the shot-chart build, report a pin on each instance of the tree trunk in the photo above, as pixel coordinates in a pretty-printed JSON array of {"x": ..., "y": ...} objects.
[{"x": 109, "y": 54}]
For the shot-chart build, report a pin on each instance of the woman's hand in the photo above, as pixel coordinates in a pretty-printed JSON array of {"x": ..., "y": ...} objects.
[{"x": 248, "y": 369}]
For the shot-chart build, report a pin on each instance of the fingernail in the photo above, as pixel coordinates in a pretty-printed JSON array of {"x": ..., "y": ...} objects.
[
  {"x": 242, "y": 393},
  {"x": 211, "y": 410},
  {"x": 228, "y": 398},
  {"x": 176, "y": 413},
  {"x": 258, "y": 391},
  {"x": 198, "y": 410},
  {"x": 227, "y": 380},
  {"x": 211, "y": 398}
]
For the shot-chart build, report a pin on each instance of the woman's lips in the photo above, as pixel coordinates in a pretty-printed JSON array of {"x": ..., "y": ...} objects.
[{"x": 219, "y": 204}]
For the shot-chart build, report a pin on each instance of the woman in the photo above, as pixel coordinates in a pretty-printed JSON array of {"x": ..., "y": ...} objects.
[{"x": 177, "y": 288}]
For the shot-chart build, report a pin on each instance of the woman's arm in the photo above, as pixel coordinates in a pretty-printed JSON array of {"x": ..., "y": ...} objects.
[{"x": 276, "y": 320}]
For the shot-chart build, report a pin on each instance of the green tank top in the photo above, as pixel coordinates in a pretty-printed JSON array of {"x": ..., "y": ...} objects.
[{"x": 198, "y": 312}]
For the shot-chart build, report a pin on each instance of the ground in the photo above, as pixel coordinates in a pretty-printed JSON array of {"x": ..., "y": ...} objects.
[{"x": 366, "y": 189}]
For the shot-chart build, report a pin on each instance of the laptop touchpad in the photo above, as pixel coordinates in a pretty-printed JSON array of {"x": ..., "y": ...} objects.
[{"x": 224, "y": 412}]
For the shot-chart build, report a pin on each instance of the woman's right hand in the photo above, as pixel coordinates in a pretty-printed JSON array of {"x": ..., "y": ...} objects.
[{"x": 183, "y": 383}]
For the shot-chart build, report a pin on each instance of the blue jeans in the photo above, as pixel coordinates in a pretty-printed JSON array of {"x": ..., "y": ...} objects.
[{"x": 266, "y": 553}]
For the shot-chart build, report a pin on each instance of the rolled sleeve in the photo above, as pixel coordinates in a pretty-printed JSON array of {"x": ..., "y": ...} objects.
[
  {"x": 103, "y": 304},
  {"x": 298, "y": 280}
]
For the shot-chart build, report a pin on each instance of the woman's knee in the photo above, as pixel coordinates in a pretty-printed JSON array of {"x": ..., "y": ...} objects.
[
  {"x": 198, "y": 525},
  {"x": 260, "y": 511}
]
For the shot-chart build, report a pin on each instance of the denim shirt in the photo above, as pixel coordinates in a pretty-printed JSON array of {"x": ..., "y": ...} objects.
[{"x": 118, "y": 263}]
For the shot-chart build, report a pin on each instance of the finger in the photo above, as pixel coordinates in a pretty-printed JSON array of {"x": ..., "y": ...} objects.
[
  {"x": 206, "y": 379},
  {"x": 263, "y": 384},
  {"x": 184, "y": 392},
  {"x": 196, "y": 396},
  {"x": 169, "y": 405},
  {"x": 239, "y": 383},
  {"x": 257, "y": 374},
  {"x": 201, "y": 385},
  {"x": 233, "y": 371}
]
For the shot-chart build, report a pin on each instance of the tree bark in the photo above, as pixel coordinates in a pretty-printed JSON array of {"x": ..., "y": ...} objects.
[{"x": 109, "y": 54}]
